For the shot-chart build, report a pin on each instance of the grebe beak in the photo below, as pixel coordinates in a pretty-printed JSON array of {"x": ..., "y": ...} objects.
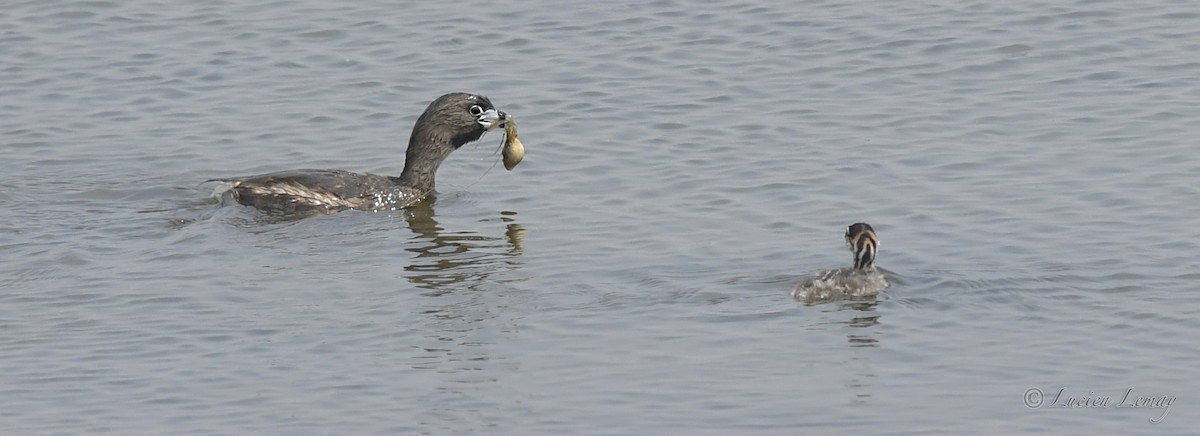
[{"x": 491, "y": 119}]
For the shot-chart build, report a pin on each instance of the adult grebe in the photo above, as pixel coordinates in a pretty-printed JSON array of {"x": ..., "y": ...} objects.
[
  {"x": 862, "y": 280},
  {"x": 449, "y": 122}
]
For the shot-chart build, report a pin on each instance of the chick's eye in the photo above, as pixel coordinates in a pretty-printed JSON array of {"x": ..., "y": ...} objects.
[{"x": 476, "y": 110}]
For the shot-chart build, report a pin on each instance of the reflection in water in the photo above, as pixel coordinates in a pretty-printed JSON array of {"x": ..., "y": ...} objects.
[
  {"x": 465, "y": 313},
  {"x": 515, "y": 232},
  {"x": 448, "y": 258},
  {"x": 862, "y": 382},
  {"x": 862, "y": 340}
]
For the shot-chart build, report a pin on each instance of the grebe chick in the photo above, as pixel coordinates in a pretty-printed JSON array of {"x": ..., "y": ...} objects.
[
  {"x": 449, "y": 122},
  {"x": 862, "y": 280}
]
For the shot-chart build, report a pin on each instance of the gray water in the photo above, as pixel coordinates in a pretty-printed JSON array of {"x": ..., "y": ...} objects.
[{"x": 1030, "y": 167}]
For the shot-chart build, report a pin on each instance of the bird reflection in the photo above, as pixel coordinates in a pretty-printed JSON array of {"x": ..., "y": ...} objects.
[
  {"x": 867, "y": 319},
  {"x": 447, "y": 260},
  {"x": 464, "y": 313}
]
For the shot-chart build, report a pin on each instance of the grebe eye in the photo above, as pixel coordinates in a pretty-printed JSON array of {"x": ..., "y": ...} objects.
[{"x": 476, "y": 110}]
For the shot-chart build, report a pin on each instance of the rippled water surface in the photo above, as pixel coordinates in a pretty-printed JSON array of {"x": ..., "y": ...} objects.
[{"x": 1030, "y": 167}]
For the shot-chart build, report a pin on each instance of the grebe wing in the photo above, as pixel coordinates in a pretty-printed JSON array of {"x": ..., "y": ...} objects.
[{"x": 332, "y": 188}]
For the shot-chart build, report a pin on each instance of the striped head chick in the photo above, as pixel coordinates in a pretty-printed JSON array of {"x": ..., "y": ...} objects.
[{"x": 864, "y": 244}]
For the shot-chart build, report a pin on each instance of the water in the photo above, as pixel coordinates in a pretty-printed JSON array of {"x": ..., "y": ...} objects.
[{"x": 1030, "y": 168}]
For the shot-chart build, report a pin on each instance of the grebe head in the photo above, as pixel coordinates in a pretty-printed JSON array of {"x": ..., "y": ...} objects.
[
  {"x": 863, "y": 243},
  {"x": 449, "y": 122},
  {"x": 455, "y": 119}
]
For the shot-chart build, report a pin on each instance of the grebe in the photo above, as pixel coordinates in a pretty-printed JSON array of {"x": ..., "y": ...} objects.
[
  {"x": 449, "y": 122},
  {"x": 862, "y": 280}
]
